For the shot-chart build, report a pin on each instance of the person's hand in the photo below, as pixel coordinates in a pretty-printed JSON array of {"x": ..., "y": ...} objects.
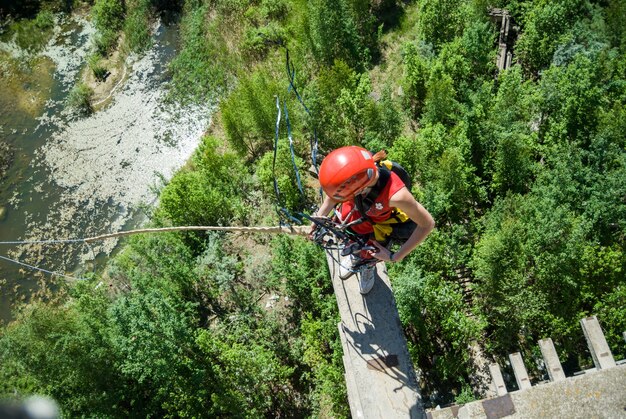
[
  {"x": 381, "y": 253},
  {"x": 311, "y": 234}
]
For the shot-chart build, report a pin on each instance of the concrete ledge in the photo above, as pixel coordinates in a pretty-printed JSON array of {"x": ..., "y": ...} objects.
[
  {"x": 380, "y": 379},
  {"x": 597, "y": 394}
]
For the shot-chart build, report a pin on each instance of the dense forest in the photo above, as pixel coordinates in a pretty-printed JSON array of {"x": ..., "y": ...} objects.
[{"x": 524, "y": 171}]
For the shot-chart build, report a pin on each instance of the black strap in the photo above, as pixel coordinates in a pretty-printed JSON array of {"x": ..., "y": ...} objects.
[{"x": 363, "y": 204}]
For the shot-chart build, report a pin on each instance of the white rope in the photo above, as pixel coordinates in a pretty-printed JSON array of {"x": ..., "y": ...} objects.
[
  {"x": 39, "y": 269},
  {"x": 296, "y": 230}
]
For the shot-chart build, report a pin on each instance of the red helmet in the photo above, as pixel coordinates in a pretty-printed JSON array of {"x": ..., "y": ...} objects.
[{"x": 346, "y": 171}]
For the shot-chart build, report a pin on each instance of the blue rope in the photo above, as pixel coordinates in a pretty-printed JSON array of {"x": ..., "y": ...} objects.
[
  {"x": 293, "y": 155},
  {"x": 291, "y": 73},
  {"x": 276, "y": 189}
]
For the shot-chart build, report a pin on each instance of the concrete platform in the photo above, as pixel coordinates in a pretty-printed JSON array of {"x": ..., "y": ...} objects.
[
  {"x": 596, "y": 394},
  {"x": 380, "y": 378}
]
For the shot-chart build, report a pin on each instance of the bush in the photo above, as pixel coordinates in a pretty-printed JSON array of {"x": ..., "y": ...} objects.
[
  {"x": 79, "y": 100},
  {"x": 137, "y": 26},
  {"x": 210, "y": 195},
  {"x": 285, "y": 176},
  {"x": 108, "y": 15},
  {"x": 33, "y": 35},
  {"x": 100, "y": 72},
  {"x": 416, "y": 58},
  {"x": 258, "y": 41},
  {"x": 203, "y": 68},
  {"x": 249, "y": 114},
  {"x": 545, "y": 27},
  {"x": 440, "y": 21},
  {"x": 343, "y": 30},
  {"x": 105, "y": 42},
  {"x": 439, "y": 331}
]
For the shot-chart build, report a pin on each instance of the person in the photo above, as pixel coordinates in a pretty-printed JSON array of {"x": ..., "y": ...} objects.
[{"x": 365, "y": 192}]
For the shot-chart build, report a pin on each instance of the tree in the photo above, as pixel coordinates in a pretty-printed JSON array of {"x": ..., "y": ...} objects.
[
  {"x": 249, "y": 115},
  {"x": 440, "y": 21},
  {"x": 438, "y": 328},
  {"x": 545, "y": 26},
  {"x": 64, "y": 352},
  {"x": 211, "y": 195},
  {"x": 342, "y": 30}
]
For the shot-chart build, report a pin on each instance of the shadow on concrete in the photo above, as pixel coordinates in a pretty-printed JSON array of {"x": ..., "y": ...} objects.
[{"x": 376, "y": 356}]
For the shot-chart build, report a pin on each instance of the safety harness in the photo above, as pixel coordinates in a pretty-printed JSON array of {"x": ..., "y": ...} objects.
[{"x": 385, "y": 167}]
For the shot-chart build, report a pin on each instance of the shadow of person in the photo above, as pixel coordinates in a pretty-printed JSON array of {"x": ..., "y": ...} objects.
[
  {"x": 376, "y": 334},
  {"x": 376, "y": 357}
]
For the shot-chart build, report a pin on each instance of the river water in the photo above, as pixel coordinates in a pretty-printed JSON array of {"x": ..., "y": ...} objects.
[{"x": 75, "y": 178}]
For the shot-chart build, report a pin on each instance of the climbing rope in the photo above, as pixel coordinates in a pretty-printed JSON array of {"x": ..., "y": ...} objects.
[
  {"x": 38, "y": 268},
  {"x": 294, "y": 230}
]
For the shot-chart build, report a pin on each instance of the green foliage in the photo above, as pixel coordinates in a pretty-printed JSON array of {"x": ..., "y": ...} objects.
[
  {"x": 154, "y": 335},
  {"x": 301, "y": 266},
  {"x": 64, "y": 352},
  {"x": 257, "y": 41},
  {"x": 250, "y": 374},
  {"x": 438, "y": 328},
  {"x": 445, "y": 170},
  {"x": 440, "y": 20},
  {"x": 285, "y": 175},
  {"x": 275, "y": 9},
  {"x": 470, "y": 57},
  {"x": 525, "y": 174},
  {"x": 507, "y": 146},
  {"x": 416, "y": 63},
  {"x": 249, "y": 115},
  {"x": 440, "y": 104},
  {"x": 137, "y": 25},
  {"x": 210, "y": 195},
  {"x": 322, "y": 352},
  {"x": 325, "y": 90},
  {"x": 33, "y": 34},
  {"x": 346, "y": 111},
  {"x": 615, "y": 16},
  {"x": 100, "y": 72},
  {"x": 79, "y": 100},
  {"x": 537, "y": 253},
  {"x": 571, "y": 98},
  {"x": 545, "y": 27},
  {"x": 611, "y": 311},
  {"x": 108, "y": 15},
  {"x": 105, "y": 42},
  {"x": 342, "y": 30},
  {"x": 383, "y": 122},
  {"x": 200, "y": 71},
  {"x": 28, "y": 9},
  {"x": 465, "y": 396}
]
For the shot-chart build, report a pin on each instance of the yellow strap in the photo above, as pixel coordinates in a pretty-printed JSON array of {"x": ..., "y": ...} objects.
[{"x": 383, "y": 229}]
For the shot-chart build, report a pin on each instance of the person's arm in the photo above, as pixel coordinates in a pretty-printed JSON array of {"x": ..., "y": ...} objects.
[{"x": 404, "y": 200}]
